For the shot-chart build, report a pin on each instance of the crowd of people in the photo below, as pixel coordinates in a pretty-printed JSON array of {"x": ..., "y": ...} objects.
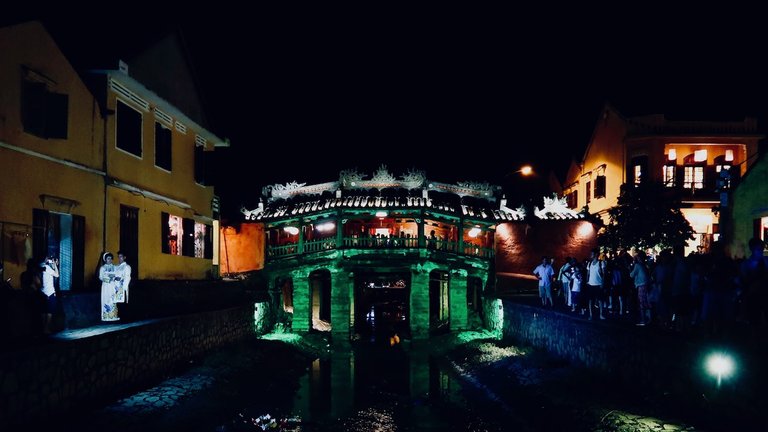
[
  {"x": 708, "y": 291},
  {"x": 30, "y": 311}
]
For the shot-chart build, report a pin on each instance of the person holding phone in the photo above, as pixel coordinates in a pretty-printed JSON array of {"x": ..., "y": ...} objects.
[{"x": 49, "y": 303}]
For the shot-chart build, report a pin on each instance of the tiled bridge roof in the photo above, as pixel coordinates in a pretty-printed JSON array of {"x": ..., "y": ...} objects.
[{"x": 478, "y": 210}]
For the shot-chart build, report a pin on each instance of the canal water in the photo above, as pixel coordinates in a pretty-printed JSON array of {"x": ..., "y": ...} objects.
[
  {"x": 389, "y": 388},
  {"x": 396, "y": 386},
  {"x": 287, "y": 382}
]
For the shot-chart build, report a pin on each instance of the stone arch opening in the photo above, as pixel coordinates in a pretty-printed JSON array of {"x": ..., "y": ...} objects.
[
  {"x": 284, "y": 286},
  {"x": 439, "y": 305},
  {"x": 382, "y": 306},
  {"x": 474, "y": 301},
  {"x": 320, "y": 295}
]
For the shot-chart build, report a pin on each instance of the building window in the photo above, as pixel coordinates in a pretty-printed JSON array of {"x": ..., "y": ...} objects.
[
  {"x": 722, "y": 163},
  {"x": 43, "y": 113},
  {"x": 669, "y": 175},
  {"x": 760, "y": 228},
  {"x": 729, "y": 155},
  {"x": 573, "y": 199},
  {"x": 199, "y": 240},
  {"x": 693, "y": 177},
  {"x": 128, "y": 129},
  {"x": 203, "y": 241},
  {"x": 600, "y": 186},
  {"x": 163, "y": 147},
  {"x": 588, "y": 194},
  {"x": 700, "y": 156},
  {"x": 638, "y": 167},
  {"x": 723, "y": 176},
  {"x": 188, "y": 229},
  {"x": 672, "y": 155},
  {"x": 172, "y": 234}
]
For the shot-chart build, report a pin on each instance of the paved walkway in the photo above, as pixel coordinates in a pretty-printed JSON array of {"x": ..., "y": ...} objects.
[{"x": 72, "y": 334}]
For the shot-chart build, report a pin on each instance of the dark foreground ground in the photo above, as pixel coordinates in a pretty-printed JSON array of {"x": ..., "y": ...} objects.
[{"x": 495, "y": 386}]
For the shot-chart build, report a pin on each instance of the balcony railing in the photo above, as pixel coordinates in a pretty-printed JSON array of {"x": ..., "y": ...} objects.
[
  {"x": 380, "y": 242},
  {"x": 325, "y": 244},
  {"x": 478, "y": 251},
  {"x": 320, "y": 245},
  {"x": 284, "y": 250}
]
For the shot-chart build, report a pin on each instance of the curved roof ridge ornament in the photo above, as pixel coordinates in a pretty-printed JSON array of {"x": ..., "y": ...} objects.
[
  {"x": 478, "y": 186},
  {"x": 555, "y": 206},
  {"x": 382, "y": 175},
  {"x": 483, "y": 190},
  {"x": 253, "y": 214},
  {"x": 513, "y": 214},
  {"x": 288, "y": 190},
  {"x": 350, "y": 178},
  {"x": 381, "y": 179},
  {"x": 414, "y": 178}
]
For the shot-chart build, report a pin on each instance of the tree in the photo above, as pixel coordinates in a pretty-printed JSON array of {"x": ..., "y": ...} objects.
[{"x": 646, "y": 216}]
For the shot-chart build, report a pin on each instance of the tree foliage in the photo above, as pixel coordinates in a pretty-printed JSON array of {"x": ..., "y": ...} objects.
[{"x": 646, "y": 216}]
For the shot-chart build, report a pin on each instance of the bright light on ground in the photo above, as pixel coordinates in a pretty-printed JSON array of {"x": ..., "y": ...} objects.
[
  {"x": 285, "y": 337},
  {"x": 720, "y": 366}
]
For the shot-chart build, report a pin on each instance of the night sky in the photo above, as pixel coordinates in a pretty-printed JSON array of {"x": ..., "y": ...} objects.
[{"x": 461, "y": 97}]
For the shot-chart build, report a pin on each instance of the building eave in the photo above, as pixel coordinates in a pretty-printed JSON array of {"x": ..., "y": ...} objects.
[{"x": 164, "y": 105}]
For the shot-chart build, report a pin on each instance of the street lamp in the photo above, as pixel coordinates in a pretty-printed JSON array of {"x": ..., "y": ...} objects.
[
  {"x": 525, "y": 171},
  {"x": 524, "y": 187}
]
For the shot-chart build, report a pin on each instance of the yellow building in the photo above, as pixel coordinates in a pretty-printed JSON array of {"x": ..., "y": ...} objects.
[
  {"x": 121, "y": 171},
  {"x": 51, "y": 159},
  {"x": 687, "y": 156}
]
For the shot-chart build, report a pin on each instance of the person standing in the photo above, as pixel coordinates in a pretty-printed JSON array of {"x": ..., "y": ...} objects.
[
  {"x": 564, "y": 276},
  {"x": 545, "y": 274},
  {"x": 595, "y": 273},
  {"x": 49, "y": 302},
  {"x": 122, "y": 282},
  {"x": 107, "y": 277},
  {"x": 641, "y": 278},
  {"x": 577, "y": 302}
]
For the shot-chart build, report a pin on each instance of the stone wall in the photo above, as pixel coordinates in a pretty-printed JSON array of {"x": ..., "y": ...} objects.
[
  {"x": 520, "y": 246},
  {"x": 54, "y": 377},
  {"x": 627, "y": 353},
  {"x": 158, "y": 298}
]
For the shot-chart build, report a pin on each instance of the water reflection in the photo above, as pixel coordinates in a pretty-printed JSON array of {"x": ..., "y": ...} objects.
[
  {"x": 268, "y": 385},
  {"x": 379, "y": 388}
]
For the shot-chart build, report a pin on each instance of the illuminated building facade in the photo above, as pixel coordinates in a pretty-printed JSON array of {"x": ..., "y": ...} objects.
[
  {"x": 95, "y": 165},
  {"x": 749, "y": 210},
  {"x": 385, "y": 256},
  {"x": 695, "y": 160},
  {"x": 160, "y": 202}
]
